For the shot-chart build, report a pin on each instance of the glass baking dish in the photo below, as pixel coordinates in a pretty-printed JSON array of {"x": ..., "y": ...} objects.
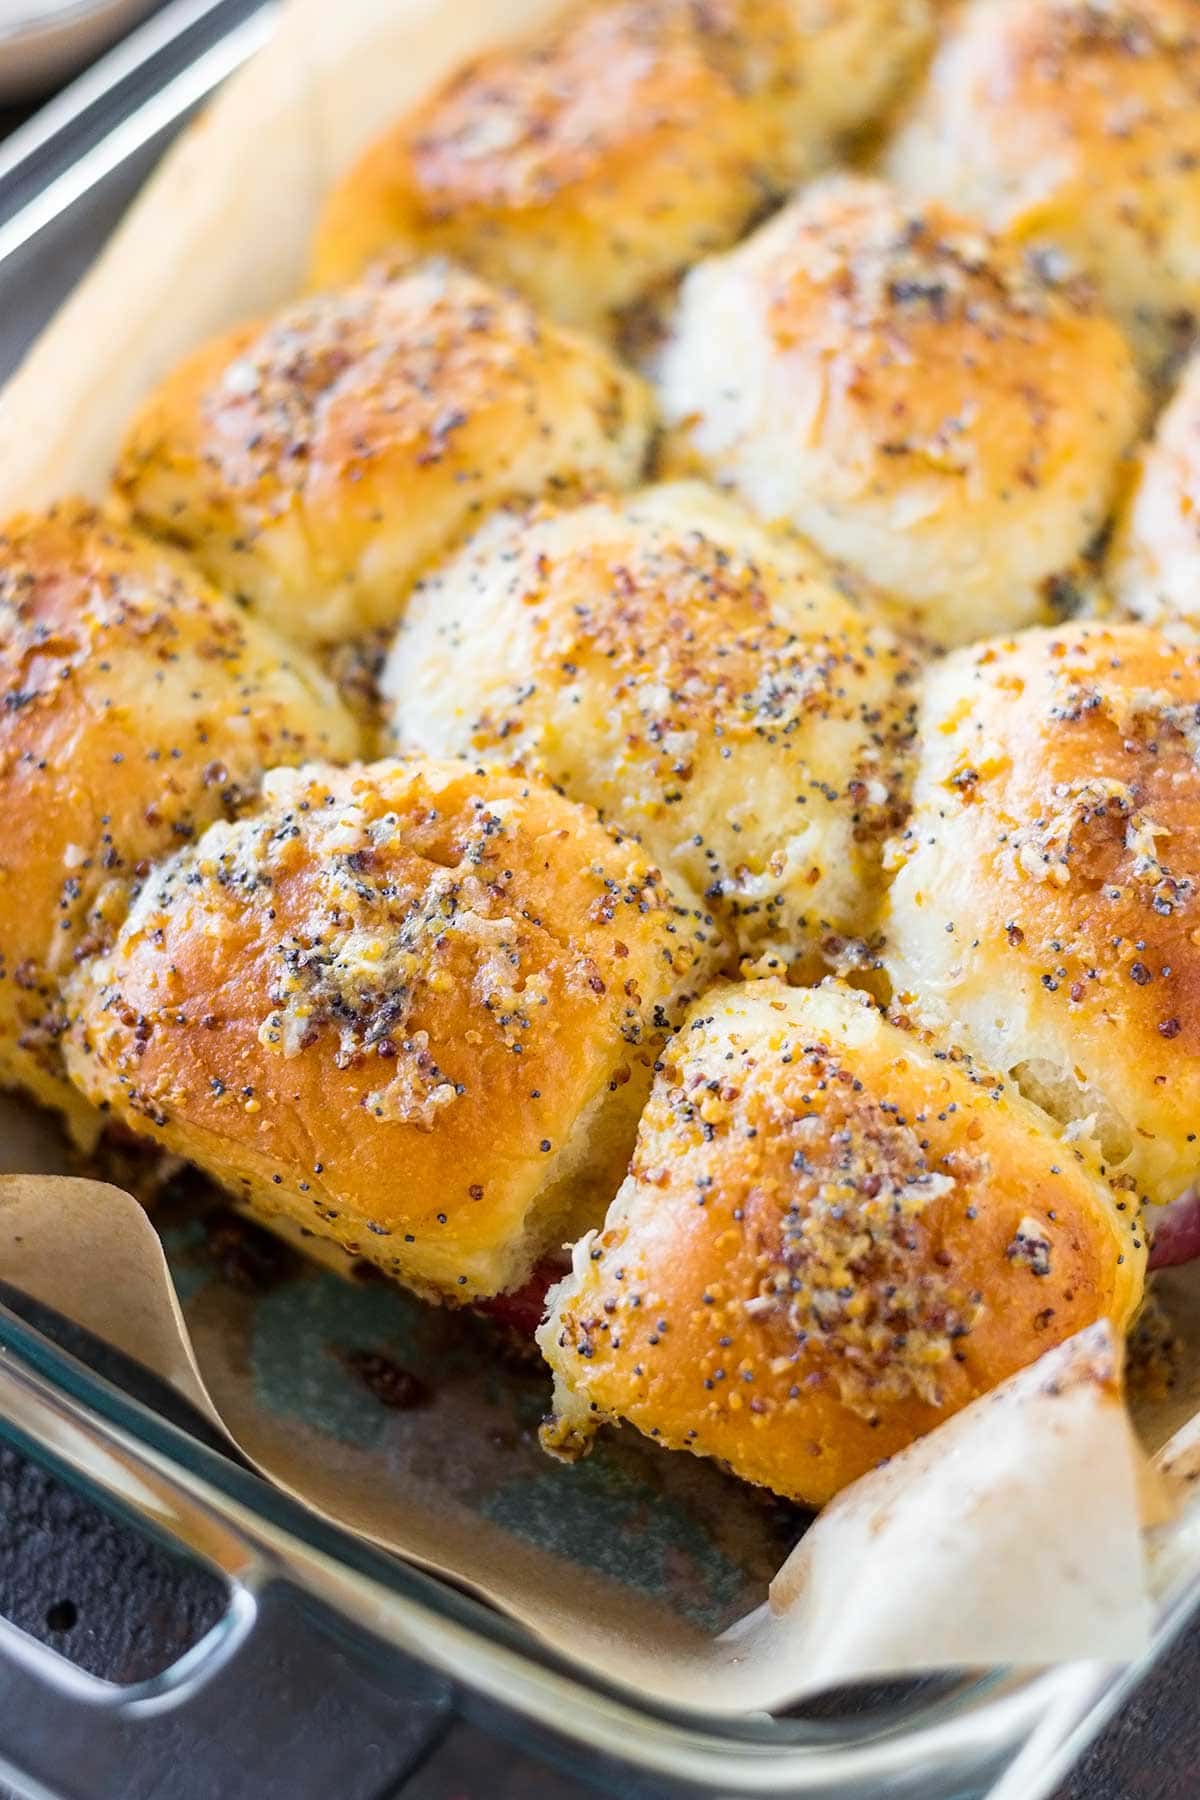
[
  {"x": 1001, "y": 1734},
  {"x": 64, "y": 179}
]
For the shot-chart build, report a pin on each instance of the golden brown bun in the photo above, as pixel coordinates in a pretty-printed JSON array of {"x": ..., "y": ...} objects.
[
  {"x": 592, "y": 162},
  {"x": 1074, "y": 127},
  {"x": 1153, "y": 567},
  {"x": 413, "y": 1007},
  {"x": 703, "y": 684},
  {"x": 138, "y": 706},
  {"x": 832, "y": 1237},
  {"x": 920, "y": 402},
  {"x": 315, "y": 461},
  {"x": 1047, "y": 910}
]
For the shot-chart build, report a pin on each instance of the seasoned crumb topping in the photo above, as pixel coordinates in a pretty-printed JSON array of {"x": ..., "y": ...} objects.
[
  {"x": 829, "y": 1201},
  {"x": 645, "y": 619},
  {"x": 1146, "y": 713},
  {"x": 406, "y": 906},
  {"x": 377, "y": 946},
  {"x": 336, "y": 381},
  {"x": 1031, "y": 1246},
  {"x": 886, "y": 269},
  {"x": 850, "y": 1273},
  {"x": 1044, "y": 847},
  {"x": 1118, "y": 833},
  {"x": 1124, "y": 30}
]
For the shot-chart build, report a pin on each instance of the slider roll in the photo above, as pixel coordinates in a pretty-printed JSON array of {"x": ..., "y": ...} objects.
[
  {"x": 1073, "y": 129},
  {"x": 935, "y": 410},
  {"x": 314, "y": 462},
  {"x": 702, "y": 683},
  {"x": 833, "y": 1235},
  {"x": 413, "y": 1007}
]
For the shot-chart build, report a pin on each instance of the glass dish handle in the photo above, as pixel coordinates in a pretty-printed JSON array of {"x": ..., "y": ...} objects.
[
  {"x": 60, "y": 1727},
  {"x": 224, "y": 1717}
]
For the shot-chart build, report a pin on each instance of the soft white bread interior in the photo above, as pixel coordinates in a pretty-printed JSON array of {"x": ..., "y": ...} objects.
[{"x": 1153, "y": 564}]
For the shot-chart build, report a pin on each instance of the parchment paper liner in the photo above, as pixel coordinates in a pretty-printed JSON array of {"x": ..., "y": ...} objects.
[
  {"x": 1014, "y": 1533},
  {"x": 1009, "y": 1535}
]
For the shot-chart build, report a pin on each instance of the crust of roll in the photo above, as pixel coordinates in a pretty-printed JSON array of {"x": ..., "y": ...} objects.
[
  {"x": 1045, "y": 907},
  {"x": 832, "y": 1237},
  {"x": 411, "y": 1006},
  {"x": 139, "y": 704},
  {"x": 924, "y": 403},
  {"x": 315, "y": 461},
  {"x": 589, "y": 164},
  {"x": 703, "y": 684}
]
